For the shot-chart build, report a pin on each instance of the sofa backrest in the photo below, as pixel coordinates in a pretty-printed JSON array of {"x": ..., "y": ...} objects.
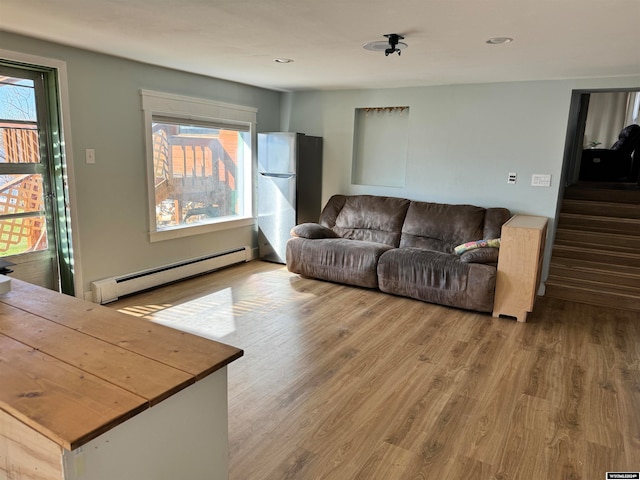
[
  {"x": 404, "y": 223},
  {"x": 442, "y": 227},
  {"x": 494, "y": 218},
  {"x": 366, "y": 217}
]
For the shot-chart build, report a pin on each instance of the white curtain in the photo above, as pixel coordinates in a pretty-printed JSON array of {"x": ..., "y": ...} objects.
[
  {"x": 633, "y": 108},
  {"x": 607, "y": 115}
]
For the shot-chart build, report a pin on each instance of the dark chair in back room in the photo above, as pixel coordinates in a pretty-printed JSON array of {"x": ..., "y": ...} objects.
[{"x": 614, "y": 164}]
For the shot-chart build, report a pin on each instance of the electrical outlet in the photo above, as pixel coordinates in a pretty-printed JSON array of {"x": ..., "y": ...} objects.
[
  {"x": 512, "y": 178},
  {"x": 540, "y": 180}
]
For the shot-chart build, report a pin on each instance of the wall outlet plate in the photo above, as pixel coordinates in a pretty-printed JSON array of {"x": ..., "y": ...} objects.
[{"x": 512, "y": 178}]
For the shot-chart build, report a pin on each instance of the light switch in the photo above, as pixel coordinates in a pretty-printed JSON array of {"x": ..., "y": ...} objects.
[
  {"x": 540, "y": 180},
  {"x": 90, "y": 155}
]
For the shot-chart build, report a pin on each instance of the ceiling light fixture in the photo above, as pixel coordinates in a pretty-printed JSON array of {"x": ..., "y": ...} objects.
[
  {"x": 283, "y": 60},
  {"x": 393, "y": 45},
  {"x": 499, "y": 40}
]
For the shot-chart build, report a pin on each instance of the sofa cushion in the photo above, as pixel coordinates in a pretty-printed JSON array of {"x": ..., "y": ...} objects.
[
  {"x": 420, "y": 268},
  {"x": 372, "y": 219},
  {"x": 441, "y": 227},
  {"x": 338, "y": 260},
  {"x": 437, "y": 277}
]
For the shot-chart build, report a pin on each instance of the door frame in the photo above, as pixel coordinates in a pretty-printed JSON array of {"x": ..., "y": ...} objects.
[
  {"x": 578, "y": 111},
  {"x": 66, "y": 148}
]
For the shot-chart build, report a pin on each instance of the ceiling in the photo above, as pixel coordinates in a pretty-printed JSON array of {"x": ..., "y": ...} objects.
[{"x": 239, "y": 39}]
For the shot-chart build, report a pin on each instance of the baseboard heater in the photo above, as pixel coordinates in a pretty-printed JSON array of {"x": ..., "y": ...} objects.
[{"x": 110, "y": 289}]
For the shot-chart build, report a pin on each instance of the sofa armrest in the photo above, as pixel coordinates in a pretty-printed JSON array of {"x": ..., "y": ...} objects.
[
  {"x": 313, "y": 230},
  {"x": 480, "y": 255}
]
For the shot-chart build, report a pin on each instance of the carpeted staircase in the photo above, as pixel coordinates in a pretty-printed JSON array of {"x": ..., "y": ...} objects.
[{"x": 596, "y": 254}]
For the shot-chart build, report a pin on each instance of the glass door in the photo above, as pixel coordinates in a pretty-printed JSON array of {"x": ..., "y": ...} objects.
[{"x": 27, "y": 217}]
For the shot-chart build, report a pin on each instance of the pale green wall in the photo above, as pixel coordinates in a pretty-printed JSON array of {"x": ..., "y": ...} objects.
[
  {"x": 463, "y": 140},
  {"x": 105, "y": 114}
]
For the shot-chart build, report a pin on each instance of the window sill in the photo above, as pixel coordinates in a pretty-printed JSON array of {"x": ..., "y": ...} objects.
[{"x": 188, "y": 231}]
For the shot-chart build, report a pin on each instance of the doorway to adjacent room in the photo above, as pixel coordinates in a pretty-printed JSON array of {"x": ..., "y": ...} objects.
[{"x": 595, "y": 257}]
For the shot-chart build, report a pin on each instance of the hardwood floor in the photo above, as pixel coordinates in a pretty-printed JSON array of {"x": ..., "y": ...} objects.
[{"x": 340, "y": 382}]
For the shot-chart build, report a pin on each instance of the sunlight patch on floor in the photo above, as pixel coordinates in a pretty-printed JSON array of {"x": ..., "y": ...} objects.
[
  {"x": 143, "y": 310},
  {"x": 211, "y": 316},
  {"x": 214, "y": 315}
]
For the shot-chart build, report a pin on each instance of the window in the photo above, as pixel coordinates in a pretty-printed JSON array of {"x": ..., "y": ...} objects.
[
  {"x": 22, "y": 207},
  {"x": 196, "y": 171},
  {"x": 200, "y": 159}
]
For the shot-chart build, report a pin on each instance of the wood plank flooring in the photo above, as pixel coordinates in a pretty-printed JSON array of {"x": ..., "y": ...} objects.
[{"x": 340, "y": 382}]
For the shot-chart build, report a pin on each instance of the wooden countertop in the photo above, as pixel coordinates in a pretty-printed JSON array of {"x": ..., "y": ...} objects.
[{"x": 72, "y": 370}]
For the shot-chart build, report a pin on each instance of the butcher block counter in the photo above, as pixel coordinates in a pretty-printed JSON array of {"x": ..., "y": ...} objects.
[{"x": 89, "y": 393}]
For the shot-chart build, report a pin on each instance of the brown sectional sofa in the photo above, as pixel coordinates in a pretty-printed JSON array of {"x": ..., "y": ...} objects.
[{"x": 402, "y": 247}]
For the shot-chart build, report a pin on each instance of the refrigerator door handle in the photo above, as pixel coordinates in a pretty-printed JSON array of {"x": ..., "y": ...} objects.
[{"x": 277, "y": 175}]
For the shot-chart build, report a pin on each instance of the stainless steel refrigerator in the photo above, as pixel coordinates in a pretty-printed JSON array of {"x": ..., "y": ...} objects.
[{"x": 289, "y": 188}]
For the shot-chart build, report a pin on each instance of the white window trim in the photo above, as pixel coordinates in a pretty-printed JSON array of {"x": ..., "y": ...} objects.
[{"x": 196, "y": 109}]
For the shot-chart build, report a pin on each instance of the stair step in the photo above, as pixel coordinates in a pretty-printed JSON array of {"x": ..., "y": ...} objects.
[
  {"x": 597, "y": 255},
  {"x": 578, "y": 263},
  {"x": 604, "y": 209},
  {"x": 602, "y": 224},
  {"x": 614, "y": 242},
  {"x": 625, "y": 193},
  {"x": 581, "y": 272},
  {"x": 592, "y": 296},
  {"x": 595, "y": 284}
]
